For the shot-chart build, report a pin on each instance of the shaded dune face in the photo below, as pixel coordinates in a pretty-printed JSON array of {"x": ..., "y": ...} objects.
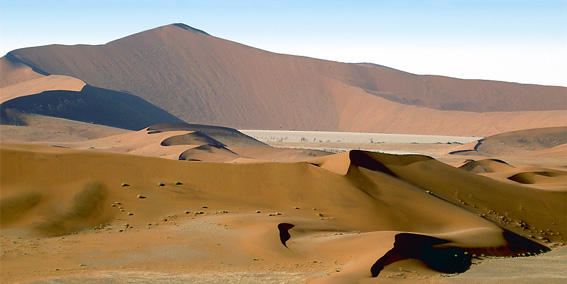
[
  {"x": 194, "y": 138},
  {"x": 439, "y": 255},
  {"x": 217, "y": 153},
  {"x": 284, "y": 232},
  {"x": 539, "y": 177},
  {"x": 447, "y": 260},
  {"x": 92, "y": 105},
  {"x": 86, "y": 209},
  {"x": 14, "y": 207},
  {"x": 223, "y": 135},
  {"x": 486, "y": 166}
]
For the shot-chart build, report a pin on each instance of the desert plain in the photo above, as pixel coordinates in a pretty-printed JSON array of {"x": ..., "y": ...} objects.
[{"x": 99, "y": 185}]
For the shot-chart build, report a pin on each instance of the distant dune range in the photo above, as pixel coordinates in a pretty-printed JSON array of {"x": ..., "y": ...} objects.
[{"x": 207, "y": 80}]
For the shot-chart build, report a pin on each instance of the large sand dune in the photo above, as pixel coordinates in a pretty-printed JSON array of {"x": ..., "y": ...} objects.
[
  {"x": 334, "y": 219},
  {"x": 89, "y": 104},
  {"x": 203, "y": 79}
]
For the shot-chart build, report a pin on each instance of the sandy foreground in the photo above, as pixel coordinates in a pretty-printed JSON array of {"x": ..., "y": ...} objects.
[{"x": 112, "y": 206}]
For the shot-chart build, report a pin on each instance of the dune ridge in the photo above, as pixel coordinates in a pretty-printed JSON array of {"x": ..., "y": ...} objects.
[
  {"x": 90, "y": 104},
  {"x": 207, "y": 80},
  {"x": 38, "y": 85},
  {"x": 538, "y": 142},
  {"x": 13, "y": 72}
]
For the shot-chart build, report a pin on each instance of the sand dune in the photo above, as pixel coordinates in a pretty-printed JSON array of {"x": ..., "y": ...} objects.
[
  {"x": 203, "y": 79},
  {"x": 92, "y": 189},
  {"x": 208, "y": 153},
  {"x": 487, "y": 166},
  {"x": 524, "y": 141},
  {"x": 38, "y": 85},
  {"x": 540, "y": 177},
  {"x": 224, "y": 135},
  {"x": 539, "y": 143},
  {"x": 557, "y": 152},
  {"x": 49, "y": 130},
  {"x": 14, "y": 72},
  {"x": 345, "y": 214},
  {"x": 90, "y": 104}
]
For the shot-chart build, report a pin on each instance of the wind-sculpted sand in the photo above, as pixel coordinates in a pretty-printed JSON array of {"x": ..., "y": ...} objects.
[
  {"x": 87, "y": 214},
  {"x": 200, "y": 78},
  {"x": 102, "y": 181}
]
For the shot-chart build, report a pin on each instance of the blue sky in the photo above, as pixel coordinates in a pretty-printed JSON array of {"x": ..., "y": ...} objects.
[{"x": 508, "y": 40}]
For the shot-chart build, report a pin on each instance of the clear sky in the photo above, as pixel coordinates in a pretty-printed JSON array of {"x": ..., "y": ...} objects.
[{"x": 508, "y": 40}]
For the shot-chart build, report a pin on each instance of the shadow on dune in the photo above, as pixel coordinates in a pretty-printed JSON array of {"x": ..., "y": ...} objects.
[
  {"x": 364, "y": 160},
  {"x": 539, "y": 177},
  {"x": 284, "y": 232},
  {"x": 437, "y": 253},
  {"x": 85, "y": 210},
  {"x": 225, "y": 135},
  {"x": 195, "y": 138},
  {"x": 92, "y": 105},
  {"x": 406, "y": 245},
  {"x": 487, "y": 166},
  {"x": 13, "y": 208},
  {"x": 188, "y": 155}
]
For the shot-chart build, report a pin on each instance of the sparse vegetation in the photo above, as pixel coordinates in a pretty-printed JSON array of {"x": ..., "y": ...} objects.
[
  {"x": 161, "y": 184},
  {"x": 124, "y": 184}
]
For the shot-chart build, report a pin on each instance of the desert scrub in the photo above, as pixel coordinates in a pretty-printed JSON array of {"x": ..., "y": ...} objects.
[
  {"x": 140, "y": 196},
  {"x": 177, "y": 183},
  {"x": 160, "y": 184},
  {"x": 124, "y": 184}
]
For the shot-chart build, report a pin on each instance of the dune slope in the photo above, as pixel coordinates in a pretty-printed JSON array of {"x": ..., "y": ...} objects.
[
  {"x": 90, "y": 104},
  {"x": 548, "y": 141},
  {"x": 345, "y": 217},
  {"x": 203, "y": 79}
]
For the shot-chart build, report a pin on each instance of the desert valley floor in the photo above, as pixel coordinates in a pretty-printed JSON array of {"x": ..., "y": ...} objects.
[{"x": 177, "y": 203}]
